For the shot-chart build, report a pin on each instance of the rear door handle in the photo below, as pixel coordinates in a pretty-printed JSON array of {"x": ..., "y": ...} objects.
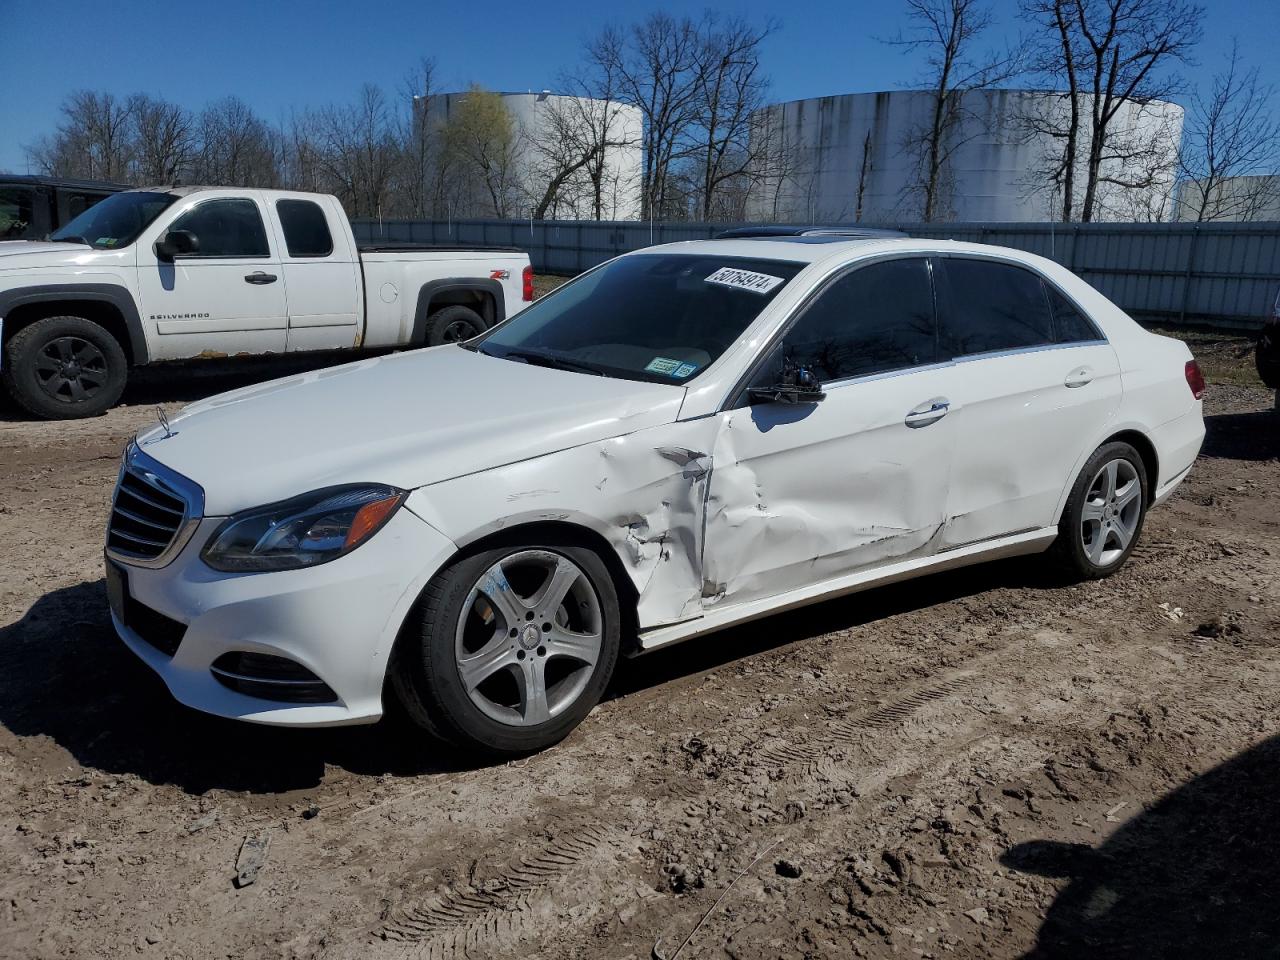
[
  {"x": 259, "y": 277},
  {"x": 1079, "y": 377},
  {"x": 931, "y": 411}
]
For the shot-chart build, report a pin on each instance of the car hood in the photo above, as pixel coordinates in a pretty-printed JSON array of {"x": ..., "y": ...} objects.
[
  {"x": 40, "y": 253},
  {"x": 408, "y": 419}
]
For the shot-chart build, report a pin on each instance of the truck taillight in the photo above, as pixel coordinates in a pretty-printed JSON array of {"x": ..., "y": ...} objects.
[
  {"x": 528, "y": 284},
  {"x": 1195, "y": 379}
]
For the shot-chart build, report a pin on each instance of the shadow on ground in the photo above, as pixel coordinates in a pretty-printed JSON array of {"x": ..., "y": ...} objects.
[
  {"x": 185, "y": 381},
  {"x": 1242, "y": 436},
  {"x": 1195, "y": 876},
  {"x": 65, "y": 675}
]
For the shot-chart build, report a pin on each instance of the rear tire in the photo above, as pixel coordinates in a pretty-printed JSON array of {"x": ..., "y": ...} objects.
[
  {"x": 63, "y": 368},
  {"x": 1105, "y": 511},
  {"x": 514, "y": 648},
  {"x": 453, "y": 325}
]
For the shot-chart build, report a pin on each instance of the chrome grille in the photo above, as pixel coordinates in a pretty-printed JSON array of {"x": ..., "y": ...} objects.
[{"x": 153, "y": 513}]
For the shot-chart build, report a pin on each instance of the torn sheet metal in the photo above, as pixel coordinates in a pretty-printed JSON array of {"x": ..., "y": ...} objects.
[{"x": 644, "y": 492}]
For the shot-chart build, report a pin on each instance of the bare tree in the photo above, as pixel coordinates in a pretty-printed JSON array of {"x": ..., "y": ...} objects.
[
  {"x": 946, "y": 32},
  {"x": 93, "y": 140},
  {"x": 237, "y": 147},
  {"x": 730, "y": 86},
  {"x": 1109, "y": 54},
  {"x": 418, "y": 151},
  {"x": 653, "y": 62},
  {"x": 164, "y": 139},
  {"x": 1233, "y": 139}
]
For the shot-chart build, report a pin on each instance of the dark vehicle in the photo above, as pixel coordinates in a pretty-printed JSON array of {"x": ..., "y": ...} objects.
[
  {"x": 1267, "y": 353},
  {"x": 33, "y": 207}
]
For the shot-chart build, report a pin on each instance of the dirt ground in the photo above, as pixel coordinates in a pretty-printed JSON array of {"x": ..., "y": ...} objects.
[{"x": 987, "y": 763}]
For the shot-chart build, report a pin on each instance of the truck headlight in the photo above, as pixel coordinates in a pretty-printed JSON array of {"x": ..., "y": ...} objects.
[{"x": 314, "y": 528}]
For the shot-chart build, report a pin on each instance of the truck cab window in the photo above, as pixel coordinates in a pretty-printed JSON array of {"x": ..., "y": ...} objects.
[
  {"x": 226, "y": 228},
  {"x": 16, "y": 210}
]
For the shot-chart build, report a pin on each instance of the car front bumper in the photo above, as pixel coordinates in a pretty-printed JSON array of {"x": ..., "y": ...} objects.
[{"x": 339, "y": 620}]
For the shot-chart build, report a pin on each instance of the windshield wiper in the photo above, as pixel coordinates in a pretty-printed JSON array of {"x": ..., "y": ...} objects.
[
  {"x": 73, "y": 238},
  {"x": 551, "y": 360}
]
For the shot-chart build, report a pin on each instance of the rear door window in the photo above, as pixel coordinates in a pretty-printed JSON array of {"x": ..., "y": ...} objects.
[
  {"x": 306, "y": 231},
  {"x": 991, "y": 307}
]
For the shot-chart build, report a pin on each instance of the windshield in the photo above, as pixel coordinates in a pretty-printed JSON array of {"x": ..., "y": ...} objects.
[
  {"x": 115, "y": 221},
  {"x": 657, "y": 317}
]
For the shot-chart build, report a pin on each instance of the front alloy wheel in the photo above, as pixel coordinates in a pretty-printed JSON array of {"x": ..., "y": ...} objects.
[
  {"x": 528, "y": 637},
  {"x": 515, "y": 646}
]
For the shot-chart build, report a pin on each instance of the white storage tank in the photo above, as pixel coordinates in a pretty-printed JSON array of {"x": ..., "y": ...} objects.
[{"x": 858, "y": 157}]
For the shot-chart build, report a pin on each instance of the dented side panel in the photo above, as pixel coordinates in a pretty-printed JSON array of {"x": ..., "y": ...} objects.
[
  {"x": 644, "y": 492},
  {"x": 807, "y": 492}
]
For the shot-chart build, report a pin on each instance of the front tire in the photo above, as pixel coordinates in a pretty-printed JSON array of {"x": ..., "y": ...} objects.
[
  {"x": 1104, "y": 514},
  {"x": 63, "y": 368},
  {"x": 515, "y": 646}
]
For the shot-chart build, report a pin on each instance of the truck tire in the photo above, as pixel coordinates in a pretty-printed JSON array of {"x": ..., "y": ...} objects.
[
  {"x": 1266, "y": 354},
  {"x": 63, "y": 368},
  {"x": 453, "y": 325}
]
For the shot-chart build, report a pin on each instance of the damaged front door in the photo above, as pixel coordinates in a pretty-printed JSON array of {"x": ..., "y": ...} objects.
[{"x": 803, "y": 492}]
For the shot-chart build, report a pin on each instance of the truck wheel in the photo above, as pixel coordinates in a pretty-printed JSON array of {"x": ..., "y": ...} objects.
[
  {"x": 61, "y": 368},
  {"x": 514, "y": 647},
  {"x": 453, "y": 325}
]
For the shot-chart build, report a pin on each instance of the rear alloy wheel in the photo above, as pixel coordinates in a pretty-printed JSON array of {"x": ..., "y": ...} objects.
[
  {"x": 453, "y": 325},
  {"x": 64, "y": 367},
  {"x": 517, "y": 645},
  {"x": 1105, "y": 512}
]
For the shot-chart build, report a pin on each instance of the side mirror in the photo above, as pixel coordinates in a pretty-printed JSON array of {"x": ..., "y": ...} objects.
[
  {"x": 796, "y": 385},
  {"x": 177, "y": 243}
]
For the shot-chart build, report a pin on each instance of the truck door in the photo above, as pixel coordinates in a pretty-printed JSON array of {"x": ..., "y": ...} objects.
[
  {"x": 321, "y": 272},
  {"x": 225, "y": 297}
]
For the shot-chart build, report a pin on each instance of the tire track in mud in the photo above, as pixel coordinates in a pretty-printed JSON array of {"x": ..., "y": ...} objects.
[{"x": 477, "y": 920}]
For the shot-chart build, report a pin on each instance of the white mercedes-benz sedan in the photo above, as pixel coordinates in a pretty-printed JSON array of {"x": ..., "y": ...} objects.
[{"x": 682, "y": 439}]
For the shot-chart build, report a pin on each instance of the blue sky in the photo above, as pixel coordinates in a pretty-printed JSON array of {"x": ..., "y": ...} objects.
[{"x": 280, "y": 55}]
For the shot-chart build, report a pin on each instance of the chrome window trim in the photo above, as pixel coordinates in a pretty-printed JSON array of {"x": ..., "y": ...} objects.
[{"x": 154, "y": 473}]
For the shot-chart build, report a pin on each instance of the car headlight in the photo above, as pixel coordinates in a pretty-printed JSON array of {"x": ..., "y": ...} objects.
[{"x": 314, "y": 528}]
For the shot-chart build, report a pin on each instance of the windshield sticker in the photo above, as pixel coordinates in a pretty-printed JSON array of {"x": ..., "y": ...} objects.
[
  {"x": 744, "y": 280},
  {"x": 684, "y": 370},
  {"x": 664, "y": 365}
]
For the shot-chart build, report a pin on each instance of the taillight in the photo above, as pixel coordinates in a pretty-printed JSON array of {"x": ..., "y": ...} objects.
[
  {"x": 528, "y": 284},
  {"x": 1195, "y": 379}
]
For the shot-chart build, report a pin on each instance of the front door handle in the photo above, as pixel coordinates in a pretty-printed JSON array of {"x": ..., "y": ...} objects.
[
  {"x": 1079, "y": 377},
  {"x": 931, "y": 411},
  {"x": 259, "y": 277}
]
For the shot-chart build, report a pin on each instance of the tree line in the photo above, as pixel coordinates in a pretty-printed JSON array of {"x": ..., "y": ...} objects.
[{"x": 704, "y": 145}]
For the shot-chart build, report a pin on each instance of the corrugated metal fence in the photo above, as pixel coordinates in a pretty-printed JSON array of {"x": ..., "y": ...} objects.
[{"x": 1217, "y": 274}]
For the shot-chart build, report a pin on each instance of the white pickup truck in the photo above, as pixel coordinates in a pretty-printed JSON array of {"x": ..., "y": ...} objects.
[{"x": 170, "y": 273}]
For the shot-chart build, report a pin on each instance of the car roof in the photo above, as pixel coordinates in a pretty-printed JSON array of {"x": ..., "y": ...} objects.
[
  {"x": 798, "y": 234},
  {"x": 838, "y": 249}
]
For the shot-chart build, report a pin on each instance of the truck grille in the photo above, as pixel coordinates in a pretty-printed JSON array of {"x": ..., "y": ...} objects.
[{"x": 153, "y": 512}]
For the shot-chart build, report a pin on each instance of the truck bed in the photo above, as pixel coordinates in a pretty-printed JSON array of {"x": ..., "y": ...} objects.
[{"x": 395, "y": 246}]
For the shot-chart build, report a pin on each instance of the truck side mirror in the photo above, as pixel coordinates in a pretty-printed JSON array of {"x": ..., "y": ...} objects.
[
  {"x": 796, "y": 384},
  {"x": 176, "y": 243}
]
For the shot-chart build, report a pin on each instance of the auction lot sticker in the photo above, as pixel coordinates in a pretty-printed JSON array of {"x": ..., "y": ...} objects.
[{"x": 744, "y": 280}]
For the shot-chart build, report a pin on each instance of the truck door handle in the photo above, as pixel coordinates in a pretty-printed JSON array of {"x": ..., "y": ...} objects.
[
  {"x": 931, "y": 411},
  {"x": 1079, "y": 377},
  {"x": 259, "y": 277}
]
